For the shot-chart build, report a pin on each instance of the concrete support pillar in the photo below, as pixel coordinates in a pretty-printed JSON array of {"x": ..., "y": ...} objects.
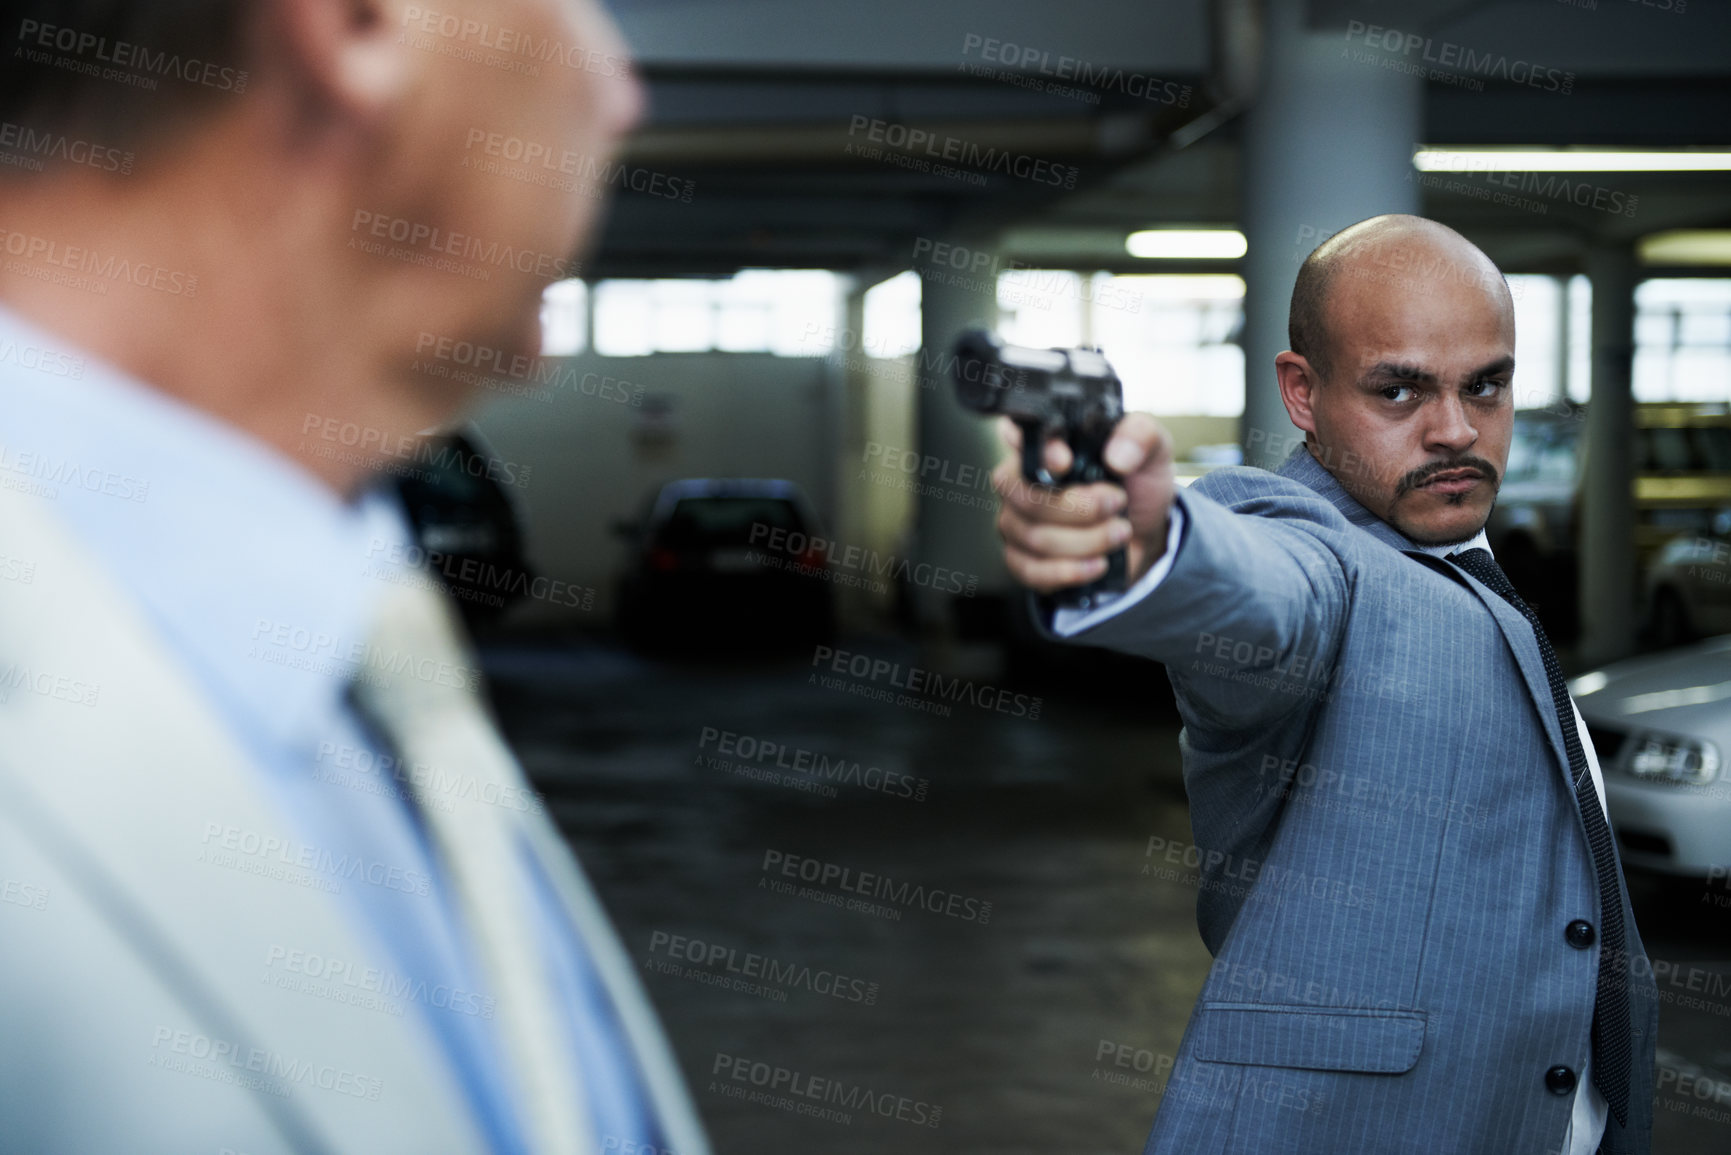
[
  {"x": 1560, "y": 377},
  {"x": 1607, "y": 536},
  {"x": 956, "y": 536},
  {"x": 850, "y": 364},
  {"x": 1327, "y": 143}
]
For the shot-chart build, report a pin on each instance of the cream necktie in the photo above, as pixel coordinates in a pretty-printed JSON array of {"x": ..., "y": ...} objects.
[{"x": 419, "y": 684}]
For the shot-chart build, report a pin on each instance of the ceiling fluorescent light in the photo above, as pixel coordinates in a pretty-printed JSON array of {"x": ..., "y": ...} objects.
[
  {"x": 1571, "y": 160},
  {"x": 1686, "y": 247},
  {"x": 1187, "y": 244}
]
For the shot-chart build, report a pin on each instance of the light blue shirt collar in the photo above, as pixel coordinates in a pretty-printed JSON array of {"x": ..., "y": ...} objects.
[{"x": 256, "y": 571}]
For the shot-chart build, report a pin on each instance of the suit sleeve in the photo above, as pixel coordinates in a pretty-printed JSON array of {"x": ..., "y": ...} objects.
[
  {"x": 1067, "y": 623},
  {"x": 1249, "y": 617}
]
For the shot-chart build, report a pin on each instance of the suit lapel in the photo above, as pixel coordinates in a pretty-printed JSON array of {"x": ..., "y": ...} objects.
[
  {"x": 1303, "y": 468},
  {"x": 135, "y": 798},
  {"x": 1518, "y": 632}
]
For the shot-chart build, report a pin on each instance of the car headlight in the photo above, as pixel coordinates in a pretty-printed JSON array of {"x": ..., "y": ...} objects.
[{"x": 1681, "y": 761}]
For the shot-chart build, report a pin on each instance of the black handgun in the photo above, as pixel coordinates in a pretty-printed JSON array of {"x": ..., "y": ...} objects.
[{"x": 1068, "y": 393}]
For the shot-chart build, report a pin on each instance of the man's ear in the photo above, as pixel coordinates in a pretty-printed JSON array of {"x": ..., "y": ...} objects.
[
  {"x": 347, "y": 52},
  {"x": 1298, "y": 384}
]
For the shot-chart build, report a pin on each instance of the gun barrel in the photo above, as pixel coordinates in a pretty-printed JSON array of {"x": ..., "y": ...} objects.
[
  {"x": 979, "y": 372},
  {"x": 987, "y": 368}
]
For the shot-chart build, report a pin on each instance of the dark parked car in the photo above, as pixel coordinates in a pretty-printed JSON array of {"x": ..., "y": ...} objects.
[
  {"x": 453, "y": 489},
  {"x": 735, "y": 564}
]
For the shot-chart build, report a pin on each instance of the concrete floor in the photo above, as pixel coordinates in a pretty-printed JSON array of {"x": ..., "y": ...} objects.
[{"x": 1046, "y": 1026}]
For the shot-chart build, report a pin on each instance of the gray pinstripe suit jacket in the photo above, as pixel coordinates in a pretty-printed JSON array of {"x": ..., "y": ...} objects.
[{"x": 1389, "y": 841}]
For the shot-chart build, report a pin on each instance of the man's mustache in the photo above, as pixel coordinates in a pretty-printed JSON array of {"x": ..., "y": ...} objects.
[{"x": 1419, "y": 476}]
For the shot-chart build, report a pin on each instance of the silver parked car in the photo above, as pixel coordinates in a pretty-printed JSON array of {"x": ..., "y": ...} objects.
[
  {"x": 1689, "y": 586},
  {"x": 1660, "y": 725}
]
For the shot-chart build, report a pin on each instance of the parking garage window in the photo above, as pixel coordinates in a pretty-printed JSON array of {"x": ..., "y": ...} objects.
[
  {"x": 1683, "y": 339},
  {"x": 785, "y": 312},
  {"x": 564, "y": 318},
  {"x": 1173, "y": 338},
  {"x": 892, "y": 317}
]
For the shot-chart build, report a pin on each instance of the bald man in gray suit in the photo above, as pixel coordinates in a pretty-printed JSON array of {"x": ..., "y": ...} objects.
[{"x": 1421, "y": 934}]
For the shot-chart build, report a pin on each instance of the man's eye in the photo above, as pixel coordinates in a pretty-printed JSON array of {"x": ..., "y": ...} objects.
[
  {"x": 1397, "y": 392},
  {"x": 1484, "y": 388}
]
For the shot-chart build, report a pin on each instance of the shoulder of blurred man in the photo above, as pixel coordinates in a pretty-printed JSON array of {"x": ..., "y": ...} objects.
[{"x": 183, "y": 949}]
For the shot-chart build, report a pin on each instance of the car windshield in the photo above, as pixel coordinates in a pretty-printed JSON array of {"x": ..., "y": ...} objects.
[{"x": 705, "y": 523}]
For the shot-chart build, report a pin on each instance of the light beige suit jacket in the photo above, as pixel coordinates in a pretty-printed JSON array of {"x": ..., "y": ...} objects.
[{"x": 144, "y": 1007}]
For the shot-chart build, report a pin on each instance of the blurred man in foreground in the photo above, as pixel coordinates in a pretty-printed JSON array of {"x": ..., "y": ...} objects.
[
  {"x": 276, "y": 883},
  {"x": 1421, "y": 935}
]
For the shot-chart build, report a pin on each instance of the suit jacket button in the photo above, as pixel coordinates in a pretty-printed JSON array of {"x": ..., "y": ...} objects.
[
  {"x": 1560, "y": 1080},
  {"x": 1579, "y": 934}
]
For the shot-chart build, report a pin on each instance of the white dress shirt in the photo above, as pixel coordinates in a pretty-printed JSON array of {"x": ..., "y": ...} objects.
[{"x": 1589, "y": 1112}]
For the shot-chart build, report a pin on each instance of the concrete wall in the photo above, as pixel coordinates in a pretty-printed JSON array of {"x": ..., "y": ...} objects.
[
  {"x": 876, "y": 504},
  {"x": 1190, "y": 432},
  {"x": 594, "y": 456}
]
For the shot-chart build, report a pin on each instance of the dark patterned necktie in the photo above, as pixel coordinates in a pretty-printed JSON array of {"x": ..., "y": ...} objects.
[{"x": 1611, "y": 1033}]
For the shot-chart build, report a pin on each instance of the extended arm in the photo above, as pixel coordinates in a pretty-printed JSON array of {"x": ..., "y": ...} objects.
[
  {"x": 1248, "y": 617},
  {"x": 1248, "y": 614}
]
